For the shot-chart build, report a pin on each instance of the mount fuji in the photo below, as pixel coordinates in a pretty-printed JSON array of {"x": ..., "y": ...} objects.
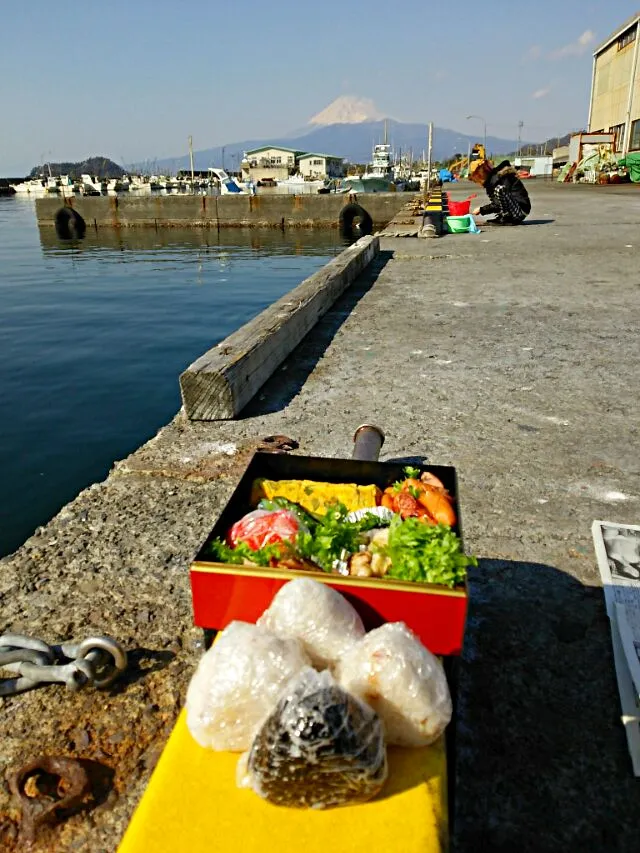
[{"x": 349, "y": 127}]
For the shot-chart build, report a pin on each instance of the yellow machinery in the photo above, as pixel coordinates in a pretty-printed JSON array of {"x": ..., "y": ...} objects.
[{"x": 477, "y": 153}]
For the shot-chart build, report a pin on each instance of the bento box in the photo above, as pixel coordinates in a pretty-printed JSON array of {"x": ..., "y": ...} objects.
[{"x": 223, "y": 592}]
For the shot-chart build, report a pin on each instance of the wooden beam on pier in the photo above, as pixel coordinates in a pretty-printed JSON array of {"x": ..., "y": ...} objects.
[{"x": 221, "y": 382}]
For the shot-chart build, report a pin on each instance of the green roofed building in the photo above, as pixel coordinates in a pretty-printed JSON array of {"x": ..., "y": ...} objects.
[{"x": 278, "y": 163}]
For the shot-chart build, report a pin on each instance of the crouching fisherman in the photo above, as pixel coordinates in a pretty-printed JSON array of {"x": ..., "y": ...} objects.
[{"x": 508, "y": 197}]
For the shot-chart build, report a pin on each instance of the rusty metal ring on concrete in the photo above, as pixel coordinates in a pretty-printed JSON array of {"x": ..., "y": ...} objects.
[
  {"x": 73, "y": 778},
  {"x": 113, "y": 649}
]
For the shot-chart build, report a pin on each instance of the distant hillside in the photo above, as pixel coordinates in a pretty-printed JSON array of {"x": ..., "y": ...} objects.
[
  {"x": 548, "y": 145},
  {"x": 353, "y": 141},
  {"x": 102, "y": 167}
]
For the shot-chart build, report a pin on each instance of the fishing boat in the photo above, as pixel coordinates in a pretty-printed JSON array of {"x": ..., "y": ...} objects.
[
  {"x": 34, "y": 186},
  {"x": 140, "y": 184},
  {"x": 226, "y": 184},
  {"x": 299, "y": 184},
  {"x": 90, "y": 185},
  {"x": 378, "y": 176},
  {"x": 117, "y": 185}
]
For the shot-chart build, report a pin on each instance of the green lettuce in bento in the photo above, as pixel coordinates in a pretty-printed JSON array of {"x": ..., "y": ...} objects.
[
  {"x": 427, "y": 553},
  {"x": 409, "y": 549}
]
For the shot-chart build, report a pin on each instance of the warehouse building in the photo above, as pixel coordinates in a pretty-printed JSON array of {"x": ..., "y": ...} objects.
[{"x": 615, "y": 87}]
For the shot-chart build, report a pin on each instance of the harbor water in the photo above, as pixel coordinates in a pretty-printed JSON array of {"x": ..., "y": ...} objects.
[{"x": 94, "y": 334}]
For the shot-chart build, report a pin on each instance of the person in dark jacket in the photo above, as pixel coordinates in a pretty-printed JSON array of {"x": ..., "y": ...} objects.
[{"x": 508, "y": 198}]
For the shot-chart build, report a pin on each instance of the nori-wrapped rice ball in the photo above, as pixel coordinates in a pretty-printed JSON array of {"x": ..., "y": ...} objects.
[{"x": 320, "y": 747}]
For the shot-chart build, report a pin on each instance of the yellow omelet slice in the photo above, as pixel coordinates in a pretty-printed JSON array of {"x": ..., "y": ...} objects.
[{"x": 317, "y": 497}]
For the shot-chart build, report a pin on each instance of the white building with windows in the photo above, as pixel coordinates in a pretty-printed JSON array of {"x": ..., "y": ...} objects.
[
  {"x": 615, "y": 87},
  {"x": 321, "y": 166},
  {"x": 270, "y": 161},
  {"x": 278, "y": 163}
]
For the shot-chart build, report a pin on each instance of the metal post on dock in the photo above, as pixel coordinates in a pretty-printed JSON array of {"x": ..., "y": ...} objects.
[{"x": 429, "y": 152}]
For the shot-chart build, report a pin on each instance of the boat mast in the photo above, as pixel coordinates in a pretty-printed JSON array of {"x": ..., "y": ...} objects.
[{"x": 191, "y": 157}]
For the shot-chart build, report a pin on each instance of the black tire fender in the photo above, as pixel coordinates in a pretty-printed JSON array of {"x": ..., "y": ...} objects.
[
  {"x": 355, "y": 221},
  {"x": 69, "y": 224}
]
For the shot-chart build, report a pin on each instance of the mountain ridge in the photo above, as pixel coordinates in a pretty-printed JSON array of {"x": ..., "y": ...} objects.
[{"x": 351, "y": 140}]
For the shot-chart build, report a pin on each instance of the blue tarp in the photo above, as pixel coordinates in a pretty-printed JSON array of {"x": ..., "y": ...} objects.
[{"x": 446, "y": 176}]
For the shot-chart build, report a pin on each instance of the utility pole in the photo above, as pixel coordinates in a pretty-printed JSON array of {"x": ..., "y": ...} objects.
[
  {"x": 520, "y": 126},
  {"x": 191, "y": 158}
]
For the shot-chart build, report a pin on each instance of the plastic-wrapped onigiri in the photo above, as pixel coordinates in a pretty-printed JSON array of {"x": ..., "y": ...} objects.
[
  {"x": 314, "y": 613},
  {"x": 393, "y": 672},
  {"x": 320, "y": 747},
  {"x": 237, "y": 684}
]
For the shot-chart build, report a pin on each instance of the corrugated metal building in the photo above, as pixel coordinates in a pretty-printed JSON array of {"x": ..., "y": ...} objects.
[{"x": 615, "y": 87}]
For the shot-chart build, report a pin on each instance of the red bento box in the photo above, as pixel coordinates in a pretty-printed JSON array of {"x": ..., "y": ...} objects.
[{"x": 223, "y": 592}]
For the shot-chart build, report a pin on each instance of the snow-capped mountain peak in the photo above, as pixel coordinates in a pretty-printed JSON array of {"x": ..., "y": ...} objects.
[{"x": 348, "y": 109}]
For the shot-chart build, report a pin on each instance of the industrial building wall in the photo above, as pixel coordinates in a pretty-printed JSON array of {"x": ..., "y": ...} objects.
[{"x": 611, "y": 88}]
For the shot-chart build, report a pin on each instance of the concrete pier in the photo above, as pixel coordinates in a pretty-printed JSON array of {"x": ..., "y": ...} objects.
[
  {"x": 259, "y": 211},
  {"x": 512, "y": 355}
]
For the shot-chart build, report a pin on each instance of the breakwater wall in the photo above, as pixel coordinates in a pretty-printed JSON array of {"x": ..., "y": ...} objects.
[{"x": 259, "y": 211}]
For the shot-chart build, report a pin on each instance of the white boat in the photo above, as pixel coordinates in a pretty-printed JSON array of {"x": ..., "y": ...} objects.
[
  {"x": 299, "y": 184},
  {"x": 116, "y": 185},
  {"x": 67, "y": 186},
  {"x": 34, "y": 186},
  {"x": 292, "y": 180},
  {"x": 227, "y": 184},
  {"x": 90, "y": 185},
  {"x": 60, "y": 185},
  {"x": 379, "y": 174},
  {"x": 140, "y": 184}
]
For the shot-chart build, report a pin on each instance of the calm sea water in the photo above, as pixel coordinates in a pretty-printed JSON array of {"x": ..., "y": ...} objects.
[{"x": 94, "y": 335}]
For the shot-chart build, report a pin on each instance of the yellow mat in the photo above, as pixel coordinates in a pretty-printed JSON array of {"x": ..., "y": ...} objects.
[{"x": 192, "y": 804}]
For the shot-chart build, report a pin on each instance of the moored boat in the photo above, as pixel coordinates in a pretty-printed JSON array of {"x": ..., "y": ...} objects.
[
  {"x": 378, "y": 176},
  {"x": 32, "y": 186},
  {"x": 226, "y": 184}
]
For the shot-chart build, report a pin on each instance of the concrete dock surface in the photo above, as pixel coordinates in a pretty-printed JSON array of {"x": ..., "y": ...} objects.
[{"x": 513, "y": 355}]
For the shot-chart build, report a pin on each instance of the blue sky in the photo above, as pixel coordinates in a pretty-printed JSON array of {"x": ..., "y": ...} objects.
[{"x": 131, "y": 79}]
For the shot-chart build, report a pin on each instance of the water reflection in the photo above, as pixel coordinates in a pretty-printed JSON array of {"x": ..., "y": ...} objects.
[
  {"x": 271, "y": 241},
  {"x": 94, "y": 334}
]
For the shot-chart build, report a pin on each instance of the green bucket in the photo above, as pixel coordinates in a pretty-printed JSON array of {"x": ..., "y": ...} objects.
[{"x": 459, "y": 224}]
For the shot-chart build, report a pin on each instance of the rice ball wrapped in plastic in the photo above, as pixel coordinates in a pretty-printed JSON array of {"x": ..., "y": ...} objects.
[
  {"x": 393, "y": 672},
  {"x": 320, "y": 747},
  {"x": 237, "y": 684},
  {"x": 314, "y": 613}
]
